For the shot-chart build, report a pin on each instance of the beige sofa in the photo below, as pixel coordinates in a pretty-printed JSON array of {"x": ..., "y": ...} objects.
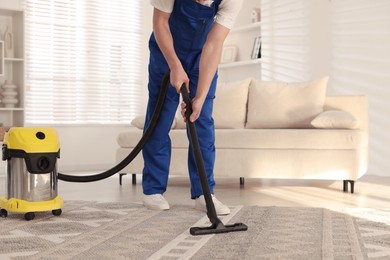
[{"x": 275, "y": 130}]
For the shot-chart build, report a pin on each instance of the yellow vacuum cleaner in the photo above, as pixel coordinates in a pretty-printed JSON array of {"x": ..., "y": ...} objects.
[{"x": 31, "y": 155}]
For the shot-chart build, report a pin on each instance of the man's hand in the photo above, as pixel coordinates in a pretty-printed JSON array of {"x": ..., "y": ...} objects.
[
  {"x": 196, "y": 105},
  {"x": 178, "y": 78}
]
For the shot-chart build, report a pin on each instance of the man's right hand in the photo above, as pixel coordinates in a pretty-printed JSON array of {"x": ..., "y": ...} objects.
[{"x": 178, "y": 78}]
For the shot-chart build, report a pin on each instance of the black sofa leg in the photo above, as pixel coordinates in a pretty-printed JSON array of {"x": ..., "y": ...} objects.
[
  {"x": 345, "y": 185},
  {"x": 352, "y": 186},
  {"x": 242, "y": 180},
  {"x": 120, "y": 177},
  {"x": 133, "y": 178}
]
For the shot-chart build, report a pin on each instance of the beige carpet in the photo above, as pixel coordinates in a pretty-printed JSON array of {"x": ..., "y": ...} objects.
[{"x": 92, "y": 230}]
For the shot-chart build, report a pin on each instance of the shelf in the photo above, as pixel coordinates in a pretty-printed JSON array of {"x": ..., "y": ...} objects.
[
  {"x": 9, "y": 12},
  {"x": 13, "y": 59},
  {"x": 239, "y": 63},
  {"x": 246, "y": 27},
  {"x": 11, "y": 109}
]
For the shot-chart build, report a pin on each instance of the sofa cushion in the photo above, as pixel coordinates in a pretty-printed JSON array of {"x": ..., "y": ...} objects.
[
  {"x": 129, "y": 138},
  {"x": 180, "y": 124},
  {"x": 290, "y": 139},
  {"x": 336, "y": 119},
  {"x": 285, "y": 105},
  {"x": 138, "y": 121},
  {"x": 230, "y": 104},
  {"x": 285, "y": 139}
]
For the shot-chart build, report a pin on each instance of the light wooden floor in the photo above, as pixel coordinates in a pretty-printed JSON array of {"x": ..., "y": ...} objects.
[{"x": 370, "y": 192}]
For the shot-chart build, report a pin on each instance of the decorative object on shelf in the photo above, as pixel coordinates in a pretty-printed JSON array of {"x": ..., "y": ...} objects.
[
  {"x": 9, "y": 94},
  {"x": 256, "y": 51},
  {"x": 229, "y": 53},
  {"x": 255, "y": 15},
  {"x": 259, "y": 51},
  {"x": 8, "y": 44}
]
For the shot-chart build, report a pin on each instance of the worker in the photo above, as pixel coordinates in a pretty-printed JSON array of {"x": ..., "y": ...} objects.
[{"x": 187, "y": 40}]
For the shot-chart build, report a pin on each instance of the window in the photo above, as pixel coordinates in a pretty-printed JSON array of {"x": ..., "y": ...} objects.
[{"x": 83, "y": 60}]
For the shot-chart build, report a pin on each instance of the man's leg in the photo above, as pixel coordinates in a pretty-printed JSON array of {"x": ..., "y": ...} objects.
[{"x": 157, "y": 150}]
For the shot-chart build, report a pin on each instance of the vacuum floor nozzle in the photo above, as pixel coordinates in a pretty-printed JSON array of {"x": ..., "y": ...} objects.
[{"x": 217, "y": 229}]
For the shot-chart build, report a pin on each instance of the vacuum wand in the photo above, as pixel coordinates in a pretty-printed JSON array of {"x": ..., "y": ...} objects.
[{"x": 216, "y": 224}]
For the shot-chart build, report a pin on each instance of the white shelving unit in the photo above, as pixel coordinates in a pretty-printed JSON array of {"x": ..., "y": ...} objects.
[
  {"x": 243, "y": 36},
  {"x": 12, "y": 67},
  {"x": 240, "y": 64},
  {"x": 247, "y": 27}
]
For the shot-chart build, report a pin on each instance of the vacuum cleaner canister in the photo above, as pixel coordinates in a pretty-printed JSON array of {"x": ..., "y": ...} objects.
[{"x": 31, "y": 185}]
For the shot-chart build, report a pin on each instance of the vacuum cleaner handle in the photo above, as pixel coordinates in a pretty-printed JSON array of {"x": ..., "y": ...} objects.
[
  {"x": 211, "y": 213},
  {"x": 216, "y": 224}
]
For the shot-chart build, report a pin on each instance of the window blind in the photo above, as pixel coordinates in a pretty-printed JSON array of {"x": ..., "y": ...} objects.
[
  {"x": 285, "y": 42},
  {"x": 360, "y": 46},
  {"x": 83, "y": 61}
]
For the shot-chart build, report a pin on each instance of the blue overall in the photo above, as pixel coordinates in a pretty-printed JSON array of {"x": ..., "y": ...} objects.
[{"x": 190, "y": 23}]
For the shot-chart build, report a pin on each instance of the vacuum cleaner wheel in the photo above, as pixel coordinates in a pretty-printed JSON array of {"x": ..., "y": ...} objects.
[
  {"x": 56, "y": 212},
  {"x": 3, "y": 213},
  {"x": 29, "y": 216}
]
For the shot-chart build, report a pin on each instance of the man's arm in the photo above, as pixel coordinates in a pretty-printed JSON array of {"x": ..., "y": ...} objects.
[
  {"x": 164, "y": 40},
  {"x": 209, "y": 60}
]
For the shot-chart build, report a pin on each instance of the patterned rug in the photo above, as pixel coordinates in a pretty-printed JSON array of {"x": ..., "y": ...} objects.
[{"x": 92, "y": 230}]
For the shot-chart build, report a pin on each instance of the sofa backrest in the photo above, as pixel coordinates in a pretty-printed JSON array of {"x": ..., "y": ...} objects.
[
  {"x": 278, "y": 105},
  {"x": 232, "y": 101},
  {"x": 356, "y": 105}
]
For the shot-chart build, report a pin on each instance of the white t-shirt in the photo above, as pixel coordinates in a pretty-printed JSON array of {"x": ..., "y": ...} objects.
[{"x": 226, "y": 15}]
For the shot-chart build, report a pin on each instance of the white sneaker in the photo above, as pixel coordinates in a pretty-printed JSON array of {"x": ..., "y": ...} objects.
[
  {"x": 155, "y": 201},
  {"x": 220, "y": 208}
]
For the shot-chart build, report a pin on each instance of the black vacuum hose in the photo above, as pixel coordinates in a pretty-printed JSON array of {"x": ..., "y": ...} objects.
[{"x": 134, "y": 152}]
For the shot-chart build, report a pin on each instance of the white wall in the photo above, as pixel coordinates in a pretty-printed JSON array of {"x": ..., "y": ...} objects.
[{"x": 319, "y": 40}]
